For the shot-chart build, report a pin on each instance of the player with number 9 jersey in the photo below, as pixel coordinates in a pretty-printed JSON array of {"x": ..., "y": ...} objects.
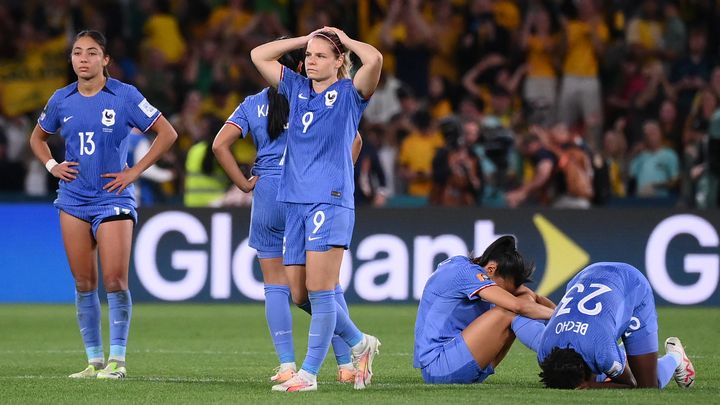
[
  {"x": 317, "y": 184},
  {"x": 318, "y": 163}
]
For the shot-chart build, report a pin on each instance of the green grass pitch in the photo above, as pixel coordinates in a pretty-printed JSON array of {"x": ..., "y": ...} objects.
[{"x": 221, "y": 353}]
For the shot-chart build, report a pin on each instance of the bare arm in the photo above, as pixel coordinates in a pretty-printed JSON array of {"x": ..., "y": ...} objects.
[
  {"x": 544, "y": 301},
  {"x": 519, "y": 305},
  {"x": 356, "y": 147},
  {"x": 265, "y": 57},
  {"x": 367, "y": 77},
  {"x": 624, "y": 380},
  {"x": 221, "y": 147},
  {"x": 39, "y": 146}
]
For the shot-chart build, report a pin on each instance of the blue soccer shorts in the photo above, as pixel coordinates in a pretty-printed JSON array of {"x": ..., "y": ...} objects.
[
  {"x": 317, "y": 228},
  {"x": 641, "y": 336},
  {"x": 267, "y": 219},
  {"x": 97, "y": 214},
  {"x": 455, "y": 365}
]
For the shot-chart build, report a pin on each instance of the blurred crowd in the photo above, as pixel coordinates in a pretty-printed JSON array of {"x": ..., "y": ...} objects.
[{"x": 563, "y": 103}]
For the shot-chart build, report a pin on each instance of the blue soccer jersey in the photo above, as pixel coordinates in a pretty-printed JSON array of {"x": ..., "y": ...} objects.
[
  {"x": 318, "y": 163},
  {"x": 602, "y": 304},
  {"x": 95, "y": 130},
  {"x": 449, "y": 303},
  {"x": 251, "y": 117}
]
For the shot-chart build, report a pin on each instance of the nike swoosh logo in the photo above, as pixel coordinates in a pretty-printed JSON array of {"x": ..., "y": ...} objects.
[
  {"x": 118, "y": 322},
  {"x": 66, "y": 119},
  {"x": 302, "y": 97},
  {"x": 310, "y": 238}
]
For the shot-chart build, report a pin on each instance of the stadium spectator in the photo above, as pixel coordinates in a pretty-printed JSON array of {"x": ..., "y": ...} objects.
[
  {"x": 536, "y": 187},
  {"x": 417, "y": 151},
  {"x": 655, "y": 170},
  {"x": 540, "y": 44},
  {"x": 586, "y": 36},
  {"x": 407, "y": 34}
]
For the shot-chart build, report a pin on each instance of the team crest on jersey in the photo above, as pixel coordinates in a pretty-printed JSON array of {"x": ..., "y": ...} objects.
[
  {"x": 330, "y": 98},
  {"x": 108, "y": 117},
  {"x": 481, "y": 277}
]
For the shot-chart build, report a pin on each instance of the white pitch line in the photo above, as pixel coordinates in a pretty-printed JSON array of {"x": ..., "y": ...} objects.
[{"x": 166, "y": 351}]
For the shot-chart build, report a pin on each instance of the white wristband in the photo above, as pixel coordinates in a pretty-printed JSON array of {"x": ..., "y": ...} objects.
[{"x": 50, "y": 164}]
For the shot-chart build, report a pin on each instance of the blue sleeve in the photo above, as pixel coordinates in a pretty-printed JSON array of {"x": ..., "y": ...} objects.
[
  {"x": 239, "y": 119},
  {"x": 470, "y": 279},
  {"x": 610, "y": 360},
  {"x": 357, "y": 99},
  {"x": 49, "y": 119},
  {"x": 290, "y": 83},
  {"x": 141, "y": 114}
]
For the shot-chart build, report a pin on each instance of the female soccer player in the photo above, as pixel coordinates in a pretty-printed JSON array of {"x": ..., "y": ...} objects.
[
  {"x": 462, "y": 331},
  {"x": 603, "y": 303},
  {"x": 317, "y": 183},
  {"x": 264, "y": 116},
  {"x": 95, "y": 197}
]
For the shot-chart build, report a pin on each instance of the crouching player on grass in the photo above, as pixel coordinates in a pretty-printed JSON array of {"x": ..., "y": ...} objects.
[
  {"x": 579, "y": 347},
  {"x": 462, "y": 331}
]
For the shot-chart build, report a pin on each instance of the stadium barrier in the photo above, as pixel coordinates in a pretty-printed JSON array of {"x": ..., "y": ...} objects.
[{"x": 202, "y": 254}]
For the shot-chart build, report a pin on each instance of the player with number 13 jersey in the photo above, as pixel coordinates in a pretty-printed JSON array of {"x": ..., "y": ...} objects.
[{"x": 95, "y": 130}]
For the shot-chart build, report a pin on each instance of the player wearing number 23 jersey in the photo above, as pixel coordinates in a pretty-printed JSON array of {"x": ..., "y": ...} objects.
[{"x": 602, "y": 304}]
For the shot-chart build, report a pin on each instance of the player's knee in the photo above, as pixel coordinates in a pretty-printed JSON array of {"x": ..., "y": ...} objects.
[
  {"x": 115, "y": 284},
  {"x": 86, "y": 284}
]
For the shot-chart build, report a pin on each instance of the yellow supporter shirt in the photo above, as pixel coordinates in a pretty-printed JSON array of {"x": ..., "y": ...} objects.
[
  {"x": 162, "y": 32},
  {"x": 237, "y": 20},
  {"x": 581, "y": 59},
  {"x": 443, "y": 59},
  {"x": 540, "y": 62},
  {"x": 417, "y": 152},
  {"x": 507, "y": 14},
  {"x": 645, "y": 33}
]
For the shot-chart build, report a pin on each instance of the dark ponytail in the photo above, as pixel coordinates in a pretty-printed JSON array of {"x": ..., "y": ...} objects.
[
  {"x": 98, "y": 37},
  {"x": 278, "y": 106}
]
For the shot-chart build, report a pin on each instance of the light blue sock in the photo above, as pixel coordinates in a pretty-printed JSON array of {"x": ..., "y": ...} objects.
[
  {"x": 279, "y": 320},
  {"x": 120, "y": 305},
  {"x": 322, "y": 325},
  {"x": 528, "y": 331},
  {"x": 88, "y": 313},
  {"x": 346, "y": 329},
  {"x": 340, "y": 348},
  {"x": 666, "y": 366},
  {"x": 352, "y": 333}
]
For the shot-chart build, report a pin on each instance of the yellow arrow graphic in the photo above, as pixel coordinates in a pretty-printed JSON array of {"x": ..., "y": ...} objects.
[{"x": 564, "y": 257}]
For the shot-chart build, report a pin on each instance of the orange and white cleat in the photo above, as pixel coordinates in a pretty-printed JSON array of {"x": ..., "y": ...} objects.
[
  {"x": 284, "y": 372},
  {"x": 346, "y": 374},
  {"x": 685, "y": 372},
  {"x": 363, "y": 360},
  {"x": 302, "y": 381}
]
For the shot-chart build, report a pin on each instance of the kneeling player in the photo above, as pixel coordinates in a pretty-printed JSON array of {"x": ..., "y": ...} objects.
[
  {"x": 462, "y": 331},
  {"x": 579, "y": 346}
]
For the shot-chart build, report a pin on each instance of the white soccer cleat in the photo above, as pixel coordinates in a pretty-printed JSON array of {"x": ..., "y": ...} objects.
[
  {"x": 685, "y": 372},
  {"x": 363, "y": 361},
  {"x": 284, "y": 372},
  {"x": 112, "y": 372},
  {"x": 346, "y": 374},
  {"x": 89, "y": 372},
  {"x": 299, "y": 383}
]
